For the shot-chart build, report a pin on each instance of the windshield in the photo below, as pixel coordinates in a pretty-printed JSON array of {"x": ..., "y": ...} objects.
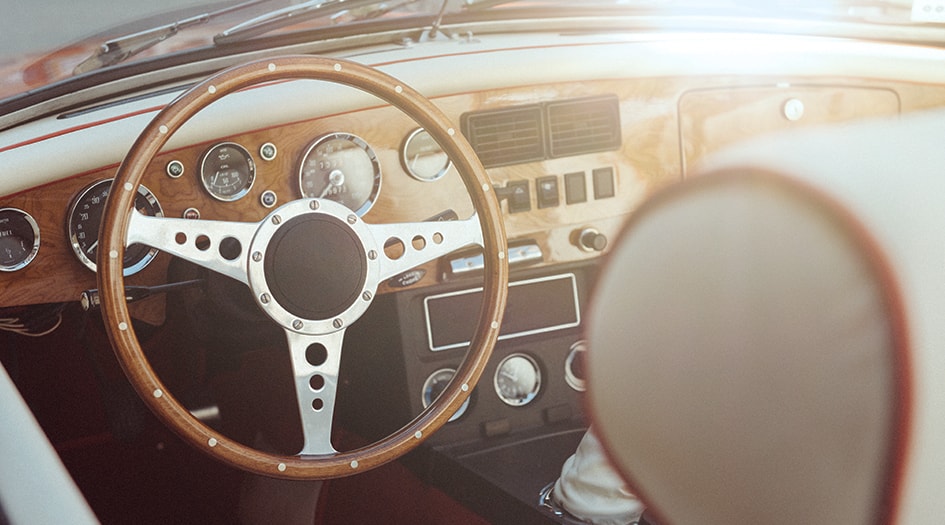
[
  {"x": 41, "y": 43},
  {"x": 44, "y": 42},
  {"x": 31, "y": 28}
]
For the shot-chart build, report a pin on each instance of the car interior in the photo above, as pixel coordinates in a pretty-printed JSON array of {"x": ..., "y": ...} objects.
[{"x": 385, "y": 267}]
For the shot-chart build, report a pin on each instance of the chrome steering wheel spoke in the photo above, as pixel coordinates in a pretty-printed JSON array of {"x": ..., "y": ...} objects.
[
  {"x": 316, "y": 360},
  {"x": 220, "y": 246},
  {"x": 423, "y": 242}
]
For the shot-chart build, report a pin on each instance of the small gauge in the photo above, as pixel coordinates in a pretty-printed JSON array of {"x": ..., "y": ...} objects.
[
  {"x": 85, "y": 219},
  {"x": 575, "y": 369},
  {"x": 343, "y": 168},
  {"x": 517, "y": 380},
  {"x": 227, "y": 171},
  {"x": 435, "y": 385},
  {"x": 423, "y": 158},
  {"x": 19, "y": 239}
]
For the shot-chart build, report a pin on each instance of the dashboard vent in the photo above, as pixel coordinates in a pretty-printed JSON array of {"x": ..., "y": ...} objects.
[
  {"x": 583, "y": 126},
  {"x": 506, "y": 136}
]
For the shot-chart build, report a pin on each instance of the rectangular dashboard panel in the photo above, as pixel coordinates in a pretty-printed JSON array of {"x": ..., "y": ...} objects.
[{"x": 534, "y": 306}]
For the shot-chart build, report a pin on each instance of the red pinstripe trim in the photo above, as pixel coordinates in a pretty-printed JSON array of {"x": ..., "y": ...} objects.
[{"x": 74, "y": 129}]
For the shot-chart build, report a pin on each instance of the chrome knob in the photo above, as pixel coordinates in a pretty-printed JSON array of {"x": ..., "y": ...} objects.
[{"x": 591, "y": 240}]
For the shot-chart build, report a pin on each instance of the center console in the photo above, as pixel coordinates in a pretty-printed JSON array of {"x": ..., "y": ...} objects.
[{"x": 525, "y": 417}]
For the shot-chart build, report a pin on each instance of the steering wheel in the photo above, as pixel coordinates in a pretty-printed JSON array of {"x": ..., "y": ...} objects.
[{"x": 341, "y": 256}]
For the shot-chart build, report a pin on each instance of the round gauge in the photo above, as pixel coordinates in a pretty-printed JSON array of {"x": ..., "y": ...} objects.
[
  {"x": 19, "y": 239},
  {"x": 227, "y": 171},
  {"x": 517, "y": 380},
  {"x": 435, "y": 385},
  {"x": 85, "y": 218},
  {"x": 343, "y": 168},
  {"x": 423, "y": 158},
  {"x": 575, "y": 369}
]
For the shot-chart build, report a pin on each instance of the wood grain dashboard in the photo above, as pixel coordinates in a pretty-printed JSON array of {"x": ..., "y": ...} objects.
[{"x": 667, "y": 127}]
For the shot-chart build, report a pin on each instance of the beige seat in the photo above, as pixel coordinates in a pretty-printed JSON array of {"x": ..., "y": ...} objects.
[{"x": 767, "y": 342}]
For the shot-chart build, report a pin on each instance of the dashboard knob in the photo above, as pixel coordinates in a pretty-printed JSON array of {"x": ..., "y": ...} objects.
[{"x": 591, "y": 240}]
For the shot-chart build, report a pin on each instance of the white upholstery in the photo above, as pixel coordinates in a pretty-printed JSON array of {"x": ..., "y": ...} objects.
[{"x": 767, "y": 343}]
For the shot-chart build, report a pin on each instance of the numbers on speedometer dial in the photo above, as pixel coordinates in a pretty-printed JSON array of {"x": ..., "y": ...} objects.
[
  {"x": 85, "y": 219},
  {"x": 343, "y": 168}
]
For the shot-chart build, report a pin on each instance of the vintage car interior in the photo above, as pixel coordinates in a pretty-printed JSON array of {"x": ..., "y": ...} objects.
[{"x": 195, "y": 206}]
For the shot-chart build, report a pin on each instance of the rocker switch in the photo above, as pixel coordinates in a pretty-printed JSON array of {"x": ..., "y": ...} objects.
[
  {"x": 519, "y": 197},
  {"x": 547, "y": 189}
]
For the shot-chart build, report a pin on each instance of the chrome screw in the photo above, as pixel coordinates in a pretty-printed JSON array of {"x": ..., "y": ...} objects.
[
  {"x": 337, "y": 323},
  {"x": 257, "y": 256},
  {"x": 297, "y": 324},
  {"x": 276, "y": 219}
]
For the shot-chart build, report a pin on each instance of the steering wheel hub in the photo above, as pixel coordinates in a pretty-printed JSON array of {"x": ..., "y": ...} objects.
[
  {"x": 312, "y": 266},
  {"x": 315, "y": 266}
]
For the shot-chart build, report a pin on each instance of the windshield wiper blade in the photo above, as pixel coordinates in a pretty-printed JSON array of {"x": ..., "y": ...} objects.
[
  {"x": 312, "y": 9},
  {"x": 122, "y": 48}
]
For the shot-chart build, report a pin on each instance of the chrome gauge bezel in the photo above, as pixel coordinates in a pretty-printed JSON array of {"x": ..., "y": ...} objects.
[
  {"x": 576, "y": 354},
  {"x": 248, "y": 177},
  {"x": 72, "y": 228},
  {"x": 409, "y": 159},
  {"x": 362, "y": 206},
  {"x": 29, "y": 252},
  {"x": 427, "y": 396},
  {"x": 529, "y": 389}
]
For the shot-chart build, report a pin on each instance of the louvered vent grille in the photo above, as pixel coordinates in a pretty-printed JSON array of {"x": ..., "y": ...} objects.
[
  {"x": 506, "y": 136},
  {"x": 583, "y": 126}
]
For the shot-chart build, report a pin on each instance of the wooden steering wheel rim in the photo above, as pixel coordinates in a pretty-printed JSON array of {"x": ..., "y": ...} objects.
[{"x": 115, "y": 228}]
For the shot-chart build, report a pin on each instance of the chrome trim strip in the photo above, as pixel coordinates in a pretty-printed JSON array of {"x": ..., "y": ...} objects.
[
  {"x": 517, "y": 255},
  {"x": 505, "y": 336}
]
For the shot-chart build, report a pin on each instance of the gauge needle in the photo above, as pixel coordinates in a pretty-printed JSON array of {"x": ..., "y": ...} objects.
[
  {"x": 335, "y": 179},
  {"x": 93, "y": 247}
]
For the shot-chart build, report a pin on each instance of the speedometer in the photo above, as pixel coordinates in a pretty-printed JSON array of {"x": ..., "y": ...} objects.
[
  {"x": 343, "y": 168},
  {"x": 85, "y": 218}
]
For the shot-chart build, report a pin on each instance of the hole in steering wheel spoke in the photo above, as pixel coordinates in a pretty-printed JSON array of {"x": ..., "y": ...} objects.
[
  {"x": 316, "y": 354},
  {"x": 230, "y": 248},
  {"x": 394, "y": 248},
  {"x": 202, "y": 243}
]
